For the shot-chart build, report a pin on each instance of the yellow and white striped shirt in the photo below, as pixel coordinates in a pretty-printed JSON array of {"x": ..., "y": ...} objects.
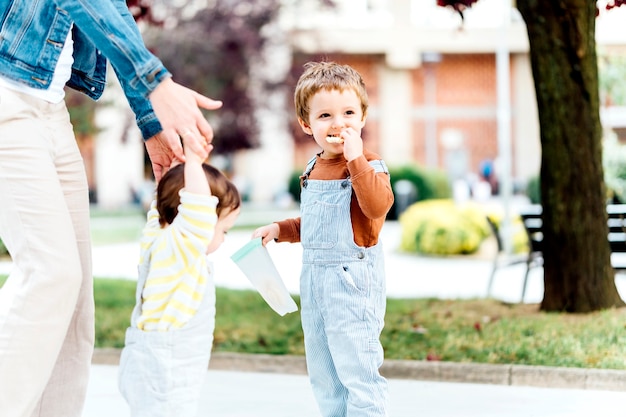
[{"x": 175, "y": 260}]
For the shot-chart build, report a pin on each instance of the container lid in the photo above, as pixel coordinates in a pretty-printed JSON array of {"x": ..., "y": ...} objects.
[{"x": 246, "y": 249}]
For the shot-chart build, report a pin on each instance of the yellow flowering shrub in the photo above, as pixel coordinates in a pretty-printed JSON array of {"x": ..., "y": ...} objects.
[{"x": 442, "y": 227}]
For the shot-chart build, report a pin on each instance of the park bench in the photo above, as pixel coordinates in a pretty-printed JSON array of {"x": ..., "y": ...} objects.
[{"x": 532, "y": 220}]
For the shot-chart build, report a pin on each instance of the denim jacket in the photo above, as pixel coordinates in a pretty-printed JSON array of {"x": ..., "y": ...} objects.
[{"x": 32, "y": 33}]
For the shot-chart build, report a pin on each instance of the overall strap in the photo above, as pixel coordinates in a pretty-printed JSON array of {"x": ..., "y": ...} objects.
[
  {"x": 379, "y": 166},
  {"x": 309, "y": 166},
  {"x": 307, "y": 170}
]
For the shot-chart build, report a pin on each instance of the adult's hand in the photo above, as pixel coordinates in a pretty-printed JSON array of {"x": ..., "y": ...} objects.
[
  {"x": 161, "y": 154},
  {"x": 178, "y": 110}
]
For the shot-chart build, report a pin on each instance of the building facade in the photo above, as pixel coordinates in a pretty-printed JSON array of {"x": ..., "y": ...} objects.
[
  {"x": 445, "y": 93},
  {"x": 433, "y": 83}
]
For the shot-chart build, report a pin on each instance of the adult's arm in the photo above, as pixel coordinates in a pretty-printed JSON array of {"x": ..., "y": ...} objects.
[{"x": 110, "y": 26}]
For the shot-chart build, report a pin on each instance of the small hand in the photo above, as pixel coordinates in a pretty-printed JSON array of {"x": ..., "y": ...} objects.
[
  {"x": 193, "y": 154},
  {"x": 268, "y": 233},
  {"x": 352, "y": 144}
]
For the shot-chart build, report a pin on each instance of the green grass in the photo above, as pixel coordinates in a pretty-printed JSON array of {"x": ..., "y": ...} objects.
[
  {"x": 489, "y": 331},
  {"x": 480, "y": 331},
  {"x": 415, "y": 329},
  {"x": 115, "y": 300}
]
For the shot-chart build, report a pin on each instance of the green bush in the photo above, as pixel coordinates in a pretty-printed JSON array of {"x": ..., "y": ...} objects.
[
  {"x": 442, "y": 227},
  {"x": 429, "y": 183},
  {"x": 3, "y": 249},
  {"x": 294, "y": 185},
  {"x": 533, "y": 190}
]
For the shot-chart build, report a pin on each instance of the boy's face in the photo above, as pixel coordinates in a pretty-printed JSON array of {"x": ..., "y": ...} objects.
[
  {"x": 222, "y": 227},
  {"x": 332, "y": 112}
]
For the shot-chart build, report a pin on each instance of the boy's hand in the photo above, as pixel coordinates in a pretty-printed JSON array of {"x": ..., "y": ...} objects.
[
  {"x": 268, "y": 233},
  {"x": 352, "y": 144}
]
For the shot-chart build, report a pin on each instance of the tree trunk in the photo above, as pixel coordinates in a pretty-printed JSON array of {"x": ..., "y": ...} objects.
[{"x": 578, "y": 275}]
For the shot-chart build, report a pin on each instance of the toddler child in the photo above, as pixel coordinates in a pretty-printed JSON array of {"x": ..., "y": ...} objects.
[
  {"x": 346, "y": 194},
  {"x": 168, "y": 344}
]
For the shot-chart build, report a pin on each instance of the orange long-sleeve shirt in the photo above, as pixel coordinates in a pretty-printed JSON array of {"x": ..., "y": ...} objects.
[{"x": 372, "y": 197}]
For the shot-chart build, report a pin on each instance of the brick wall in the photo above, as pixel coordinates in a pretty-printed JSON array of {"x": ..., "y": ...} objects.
[{"x": 465, "y": 101}]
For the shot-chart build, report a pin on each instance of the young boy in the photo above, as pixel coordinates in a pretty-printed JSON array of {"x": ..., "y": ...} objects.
[
  {"x": 168, "y": 344},
  {"x": 346, "y": 194}
]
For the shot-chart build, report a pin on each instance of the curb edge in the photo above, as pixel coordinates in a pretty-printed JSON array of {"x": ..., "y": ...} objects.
[{"x": 477, "y": 373}]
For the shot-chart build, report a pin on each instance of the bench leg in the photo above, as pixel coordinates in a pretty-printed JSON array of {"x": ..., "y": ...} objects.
[
  {"x": 491, "y": 277},
  {"x": 525, "y": 282}
]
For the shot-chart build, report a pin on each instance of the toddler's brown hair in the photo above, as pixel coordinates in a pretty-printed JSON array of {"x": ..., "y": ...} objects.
[{"x": 168, "y": 197}]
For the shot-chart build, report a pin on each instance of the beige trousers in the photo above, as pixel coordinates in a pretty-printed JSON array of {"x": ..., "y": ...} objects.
[{"x": 46, "y": 305}]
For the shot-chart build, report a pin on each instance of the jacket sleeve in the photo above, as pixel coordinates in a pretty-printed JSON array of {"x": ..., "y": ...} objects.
[
  {"x": 112, "y": 29},
  {"x": 145, "y": 117},
  {"x": 372, "y": 189}
]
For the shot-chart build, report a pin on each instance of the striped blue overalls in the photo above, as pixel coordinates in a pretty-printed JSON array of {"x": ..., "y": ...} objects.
[{"x": 342, "y": 289}]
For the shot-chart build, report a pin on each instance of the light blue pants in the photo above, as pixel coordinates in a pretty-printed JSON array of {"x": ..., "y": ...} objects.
[{"x": 161, "y": 373}]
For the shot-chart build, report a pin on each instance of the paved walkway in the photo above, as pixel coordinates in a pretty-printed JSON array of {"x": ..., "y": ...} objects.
[{"x": 255, "y": 394}]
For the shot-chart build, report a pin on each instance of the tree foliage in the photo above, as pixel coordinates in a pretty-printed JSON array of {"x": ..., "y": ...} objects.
[
  {"x": 458, "y": 6},
  {"x": 612, "y": 74},
  {"x": 214, "y": 52},
  {"x": 142, "y": 11}
]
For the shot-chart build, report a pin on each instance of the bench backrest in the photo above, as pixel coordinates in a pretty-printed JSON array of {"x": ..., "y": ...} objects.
[
  {"x": 532, "y": 219},
  {"x": 617, "y": 227}
]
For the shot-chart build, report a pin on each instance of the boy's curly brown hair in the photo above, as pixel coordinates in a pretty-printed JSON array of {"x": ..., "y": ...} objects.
[{"x": 327, "y": 76}]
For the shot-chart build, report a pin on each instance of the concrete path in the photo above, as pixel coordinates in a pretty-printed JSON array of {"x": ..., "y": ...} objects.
[
  {"x": 408, "y": 275},
  {"x": 254, "y": 394}
]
